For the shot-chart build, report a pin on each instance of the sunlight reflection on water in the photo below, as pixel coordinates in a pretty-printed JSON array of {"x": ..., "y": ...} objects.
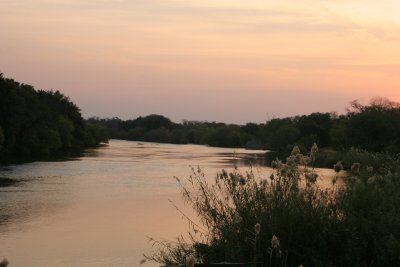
[{"x": 97, "y": 210}]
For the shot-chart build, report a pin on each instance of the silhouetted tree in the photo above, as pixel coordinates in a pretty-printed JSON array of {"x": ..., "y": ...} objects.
[
  {"x": 374, "y": 127},
  {"x": 39, "y": 124}
]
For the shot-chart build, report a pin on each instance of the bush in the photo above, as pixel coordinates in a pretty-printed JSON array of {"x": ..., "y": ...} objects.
[
  {"x": 380, "y": 161},
  {"x": 285, "y": 219},
  {"x": 371, "y": 203}
]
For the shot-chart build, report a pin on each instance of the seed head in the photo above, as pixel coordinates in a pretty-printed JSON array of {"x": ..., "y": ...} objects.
[
  {"x": 305, "y": 160},
  {"x": 190, "y": 261},
  {"x": 284, "y": 170},
  {"x": 314, "y": 148},
  {"x": 295, "y": 151},
  {"x": 370, "y": 169},
  {"x": 355, "y": 168},
  {"x": 4, "y": 263},
  {"x": 142, "y": 261},
  {"x": 338, "y": 166},
  {"x": 275, "y": 244},
  {"x": 371, "y": 179},
  {"x": 275, "y": 164},
  {"x": 257, "y": 228},
  {"x": 237, "y": 218}
]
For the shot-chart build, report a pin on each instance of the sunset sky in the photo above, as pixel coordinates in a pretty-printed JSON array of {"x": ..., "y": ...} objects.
[{"x": 216, "y": 60}]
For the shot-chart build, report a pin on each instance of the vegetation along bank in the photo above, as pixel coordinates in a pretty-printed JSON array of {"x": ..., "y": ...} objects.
[{"x": 41, "y": 125}]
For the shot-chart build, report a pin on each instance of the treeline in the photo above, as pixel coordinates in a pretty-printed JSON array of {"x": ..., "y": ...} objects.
[
  {"x": 38, "y": 124},
  {"x": 374, "y": 127},
  {"x": 157, "y": 128}
]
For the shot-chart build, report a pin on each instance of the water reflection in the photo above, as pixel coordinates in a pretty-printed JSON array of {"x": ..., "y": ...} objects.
[
  {"x": 97, "y": 210},
  {"x": 6, "y": 182}
]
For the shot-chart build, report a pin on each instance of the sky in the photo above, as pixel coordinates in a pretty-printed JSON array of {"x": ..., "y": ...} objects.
[{"x": 233, "y": 61}]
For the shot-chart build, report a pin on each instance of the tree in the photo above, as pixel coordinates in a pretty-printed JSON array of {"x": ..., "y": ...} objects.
[
  {"x": 38, "y": 124},
  {"x": 280, "y": 134},
  {"x": 315, "y": 127},
  {"x": 374, "y": 127}
]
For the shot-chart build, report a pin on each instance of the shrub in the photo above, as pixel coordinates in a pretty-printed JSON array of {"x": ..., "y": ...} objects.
[
  {"x": 285, "y": 219},
  {"x": 371, "y": 203},
  {"x": 243, "y": 216}
]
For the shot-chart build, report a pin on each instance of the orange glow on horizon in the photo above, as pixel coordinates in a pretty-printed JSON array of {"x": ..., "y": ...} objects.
[{"x": 344, "y": 48}]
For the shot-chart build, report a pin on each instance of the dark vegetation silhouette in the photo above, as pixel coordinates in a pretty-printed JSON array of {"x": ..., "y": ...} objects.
[
  {"x": 38, "y": 124},
  {"x": 374, "y": 127},
  {"x": 286, "y": 218}
]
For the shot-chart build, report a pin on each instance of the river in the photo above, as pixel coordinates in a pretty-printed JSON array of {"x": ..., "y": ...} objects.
[{"x": 98, "y": 210}]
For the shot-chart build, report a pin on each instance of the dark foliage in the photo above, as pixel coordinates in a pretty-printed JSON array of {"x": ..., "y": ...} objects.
[
  {"x": 374, "y": 127},
  {"x": 288, "y": 219},
  {"x": 37, "y": 125}
]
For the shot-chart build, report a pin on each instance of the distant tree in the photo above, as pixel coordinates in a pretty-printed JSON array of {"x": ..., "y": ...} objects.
[
  {"x": 177, "y": 136},
  {"x": 225, "y": 137},
  {"x": 280, "y": 134},
  {"x": 153, "y": 122},
  {"x": 338, "y": 133},
  {"x": 374, "y": 127},
  {"x": 95, "y": 134},
  {"x": 66, "y": 130},
  {"x": 161, "y": 135},
  {"x": 314, "y": 128},
  {"x": 136, "y": 133},
  {"x": 251, "y": 128}
]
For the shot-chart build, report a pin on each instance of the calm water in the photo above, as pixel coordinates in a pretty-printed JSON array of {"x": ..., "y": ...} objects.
[{"x": 99, "y": 209}]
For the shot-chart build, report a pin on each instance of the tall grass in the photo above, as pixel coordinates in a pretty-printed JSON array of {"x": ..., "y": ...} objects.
[{"x": 285, "y": 219}]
